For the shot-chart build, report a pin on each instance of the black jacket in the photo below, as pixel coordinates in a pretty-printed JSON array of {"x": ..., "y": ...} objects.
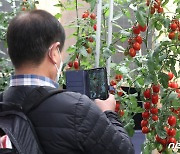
[{"x": 71, "y": 123}]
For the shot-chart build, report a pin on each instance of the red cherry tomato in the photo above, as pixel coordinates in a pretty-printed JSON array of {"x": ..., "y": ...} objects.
[
  {"x": 93, "y": 16},
  {"x": 155, "y": 117},
  {"x": 145, "y": 115},
  {"x": 147, "y": 105},
  {"x": 118, "y": 77},
  {"x": 173, "y": 26},
  {"x": 172, "y": 140},
  {"x": 144, "y": 123},
  {"x": 138, "y": 39},
  {"x": 160, "y": 10},
  {"x": 70, "y": 64},
  {"x": 76, "y": 64},
  {"x": 147, "y": 93},
  {"x": 145, "y": 130},
  {"x": 136, "y": 30},
  {"x": 156, "y": 88},
  {"x": 95, "y": 27},
  {"x": 152, "y": 10},
  {"x": 171, "y": 35},
  {"x": 172, "y": 120},
  {"x": 132, "y": 52},
  {"x": 171, "y": 132},
  {"x": 136, "y": 46},
  {"x": 142, "y": 28},
  {"x": 154, "y": 98},
  {"x": 154, "y": 110},
  {"x": 171, "y": 75},
  {"x": 113, "y": 83}
]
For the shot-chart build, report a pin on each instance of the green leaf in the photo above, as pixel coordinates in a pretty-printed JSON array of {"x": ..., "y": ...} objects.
[
  {"x": 58, "y": 15},
  {"x": 140, "y": 18},
  {"x": 123, "y": 69},
  {"x": 165, "y": 2},
  {"x": 118, "y": 16},
  {"x": 163, "y": 77}
]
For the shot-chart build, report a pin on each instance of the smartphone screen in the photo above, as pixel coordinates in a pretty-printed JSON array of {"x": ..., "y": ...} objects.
[{"x": 97, "y": 83}]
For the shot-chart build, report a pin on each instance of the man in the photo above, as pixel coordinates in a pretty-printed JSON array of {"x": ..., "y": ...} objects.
[{"x": 66, "y": 122}]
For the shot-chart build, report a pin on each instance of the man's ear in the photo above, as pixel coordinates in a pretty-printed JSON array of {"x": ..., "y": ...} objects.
[{"x": 53, "y": 52}]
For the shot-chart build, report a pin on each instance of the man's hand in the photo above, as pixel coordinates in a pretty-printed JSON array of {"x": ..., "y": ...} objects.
[{"x": 108, "y": 104}]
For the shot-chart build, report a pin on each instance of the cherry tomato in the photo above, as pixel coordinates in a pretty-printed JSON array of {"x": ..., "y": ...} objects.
[
  {"x": 147, "y": 105},
  {"x": 170, "y": 84},
  {"x": 95, "y": 27},
  {"x": 120, "y": 93},
  {"x": 171, "y": 132},
  {"x": 171, "y": 75},
  {"x": 145, "y": 115},
  {"x": 91, "y": 39},
  {"x": 89, "y": 50},
  {"x": 70, "y": 64},
  {"x": 118, "y": 77},
  {"x": 145, "y": 130},
  {"x": 160, "y": 10},
  {"x": 154, "y": 98},
  {"x": 93, "y": 16},
  {"x": 136, "y": 46},
  {"x": 160, "y": 140},
  {"x": 178, "y": 90},
  {"x": 152, "y": 10},
  {"x": 76, "y": 64},
  {"x": 117, "y": 107},
  {"x": 136, "y": 30},
  {"x": 174, "y": 85},
  {"x": 132, "y": 52},
  {"x": 154, "y": 110},
  {"x": 172, "y": 120},
  {"x": 85, "y": 15},
  {"x": 173, "y": 26},
  {"x": 155, "y": 117},
  {"x": 142, "y": 28},
  {"x": 157, "y": 4},
  {"x": 138, "y": 39},
  {"x": 172, "y": 140},
  {"x": 147, "y": 93},
  {"x": 144, "y": 123},
  {"x": 113, "y": 83},
  {"x": 156, "y": 88},
  {"x": 171, "y": 35}
]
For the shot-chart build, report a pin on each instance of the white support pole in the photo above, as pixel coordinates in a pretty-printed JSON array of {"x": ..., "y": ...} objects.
[
  {"x": 109, "y": 41},
  {"x": 98, "y": 33}
]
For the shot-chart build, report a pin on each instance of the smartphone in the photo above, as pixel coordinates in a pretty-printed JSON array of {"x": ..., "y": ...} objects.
[
  {"x": 92, "y": 82},
  {"x": 97, "y": 83}
]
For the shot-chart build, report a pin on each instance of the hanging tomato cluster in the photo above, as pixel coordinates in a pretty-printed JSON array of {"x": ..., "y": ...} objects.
[
  {"x": 136, "y": 40},
  {"x": 118, "y": 91},
  {"x": 151, "y": 114},
  {"x": 174, "y": 29},
  {"x": 151, "y": 96},
  {"x": 155, "y": 6}
]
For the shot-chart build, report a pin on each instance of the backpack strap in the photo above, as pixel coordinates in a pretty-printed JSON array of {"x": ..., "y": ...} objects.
[{"x": 37, "y": 96}]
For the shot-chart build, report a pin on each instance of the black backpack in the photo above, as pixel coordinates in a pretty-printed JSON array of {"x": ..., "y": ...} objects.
[{"x": 15, "y": 123}]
